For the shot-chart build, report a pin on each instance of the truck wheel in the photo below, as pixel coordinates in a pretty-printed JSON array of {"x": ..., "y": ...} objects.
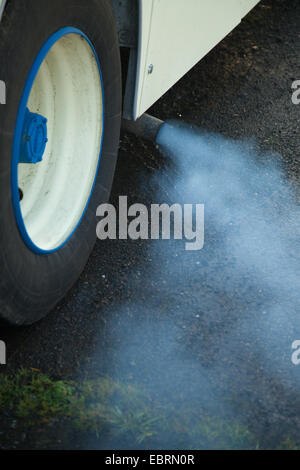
[{"x": 59, "y": 135}]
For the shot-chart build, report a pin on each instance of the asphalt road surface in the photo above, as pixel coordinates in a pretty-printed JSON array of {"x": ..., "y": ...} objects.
[{"x": 191, "y": 327}]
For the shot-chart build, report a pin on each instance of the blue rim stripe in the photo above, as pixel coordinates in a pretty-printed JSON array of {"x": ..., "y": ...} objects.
[{"x": 18, "y": 135}]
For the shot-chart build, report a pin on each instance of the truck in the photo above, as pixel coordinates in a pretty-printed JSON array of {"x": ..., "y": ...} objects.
[{"x": 70, "y": 71}]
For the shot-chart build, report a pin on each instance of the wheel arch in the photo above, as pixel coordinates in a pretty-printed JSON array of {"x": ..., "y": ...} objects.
[
  {"x": 127, "y": 14},
  {"x": 127, "y": 22}
]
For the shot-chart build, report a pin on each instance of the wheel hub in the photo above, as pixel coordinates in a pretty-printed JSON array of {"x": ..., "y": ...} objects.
[{"x": 34, "y": 138}]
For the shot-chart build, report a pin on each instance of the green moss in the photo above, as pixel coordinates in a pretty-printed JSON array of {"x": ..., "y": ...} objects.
[
  {"x": 120, "y": 412},
  {"x": 288, "y": 444},
  {"x": 92, "y": 406}
]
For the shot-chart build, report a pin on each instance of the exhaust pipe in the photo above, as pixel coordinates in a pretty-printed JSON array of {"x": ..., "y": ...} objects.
[{"x": 147, "y": 127}]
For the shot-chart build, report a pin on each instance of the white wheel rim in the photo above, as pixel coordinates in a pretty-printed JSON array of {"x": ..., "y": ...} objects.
[{"x": 66, "y": 88}]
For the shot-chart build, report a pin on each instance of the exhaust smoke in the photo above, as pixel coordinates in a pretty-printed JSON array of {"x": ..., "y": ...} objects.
[{"x": 208, "y": 335}]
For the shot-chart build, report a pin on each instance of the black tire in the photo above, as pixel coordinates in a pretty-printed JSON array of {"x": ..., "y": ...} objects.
[{"x": 31, "y": 284}]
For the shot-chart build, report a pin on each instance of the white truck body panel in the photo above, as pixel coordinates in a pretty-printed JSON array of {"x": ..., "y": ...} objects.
[{"x": 174, "y": 36}]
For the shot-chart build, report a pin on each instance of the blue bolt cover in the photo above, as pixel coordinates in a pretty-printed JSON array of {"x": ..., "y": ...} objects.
[{"x": 34, "y": 138}]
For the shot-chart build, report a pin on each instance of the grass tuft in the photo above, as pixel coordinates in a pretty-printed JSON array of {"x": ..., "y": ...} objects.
[{"x": 119, "y": 413}]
